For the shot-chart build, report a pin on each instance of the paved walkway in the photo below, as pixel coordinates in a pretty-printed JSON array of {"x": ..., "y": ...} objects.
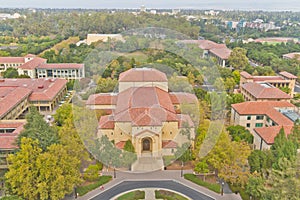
[
  {"x": 158, "y": 175},
  {"x": 150, "y": 194}
]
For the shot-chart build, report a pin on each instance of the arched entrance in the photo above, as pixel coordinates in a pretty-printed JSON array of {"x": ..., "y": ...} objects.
[{"x": 146, "y": 144}]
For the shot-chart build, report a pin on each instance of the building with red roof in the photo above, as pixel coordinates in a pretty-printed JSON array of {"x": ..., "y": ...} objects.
[
  {"x": 284, "y": 79},
  {"x": 36, "y": 67},
  {"x": 294, "y": 55},
  {"x": 9, "y": 131},
  {"x": 16, "y": 95},
  {"x": 264, "y": 119},
  {"x": 144, "y": 112},
  {"x": 212, "y": 49}
]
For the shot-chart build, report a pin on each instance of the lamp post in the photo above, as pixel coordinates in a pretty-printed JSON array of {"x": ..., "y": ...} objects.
[
  {"x": 181, "y": 172},
  {"x": 222, "y": 189},
  {"x": 115, "y": 175},
  {"x": 75, "y": 191}
]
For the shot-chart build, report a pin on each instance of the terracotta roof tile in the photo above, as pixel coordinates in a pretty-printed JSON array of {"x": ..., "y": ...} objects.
[
  {"x": 288, "y": 75},
  {"x": 222, "y": 53},
  {"x": 12, "y": 60},
  {"x": 268, "y": 134},
  {"x": 121, "y": 144},
  {"x": 107, "y": 122},
  {"x": 265, "y": 108},
  {"x": 246, "y": 75},
  {"x": 261, "y": 92},
  {"x": 102, "y": 99},
  {"x": 183, "y": 97},
  {"x": 143, "y": 75},
  {"x": 7, "y": 140},
  {"x": 185, "y": 120},
  {"x": 11, "y": 97},
  {"x": 33, "y": 64},
  {"x": 292, "y": 55},
  {"x": 42, "y": 89},
  {"x": 169, "y": 144}
]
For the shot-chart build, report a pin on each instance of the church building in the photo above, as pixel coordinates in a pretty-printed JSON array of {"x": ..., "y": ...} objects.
[{"x": 145, "y": 112}]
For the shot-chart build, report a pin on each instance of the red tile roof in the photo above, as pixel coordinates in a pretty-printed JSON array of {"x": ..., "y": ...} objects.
[
  {"x": 42, "y": 89},
  {"x": 268, "y": 134},
  {"x": 107, "y": 122},
  {"x": 261, "y": 92},
  {"x": 288, "y": 75},
  {"x": 10, "y": 97},
  {"x": 143, "y": 75},
  {"x": 169, "y": 144},
  {"x": 185, "y": 121},
  {"x": 222, "y": 53},
  {"x": 30, "y": 56},
  {"x": 183, "y": 97},
  {"x": 265, "y": 108},
  {"x": 121, "y": 144},
  {"x": 7, "y": 140},
  {"x": 208, "y": 45},
  {"x": 292, "y": 55},
  {"x": 12, "y": 60},
  {"x": 102, "y": 99},
  {"x": 61, "y": 66},
  {"x": 267, "y": 78},
  {"x": 33, "y": 64},
  {"x": 246, "y": 75}
]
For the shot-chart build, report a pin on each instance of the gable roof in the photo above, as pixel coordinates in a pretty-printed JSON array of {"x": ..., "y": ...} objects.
[
  {"x": 288, "y": 75},
  {"x": 265, "y": 108},
  {"x": 61, "y": 66},
  {"x": 261, "y": 92},
  {"x": 102, "y": 99},
  {"x": 268, "y": 134},
  {"x": 8, "y": 140},
  {"x": 12, "y": 60},
  {"x": 33, "y": 64}
]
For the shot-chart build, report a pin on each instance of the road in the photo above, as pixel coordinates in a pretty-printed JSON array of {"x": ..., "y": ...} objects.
[
  {"x": 131, "y": 185},
  {"x": 297, "y": 88}
]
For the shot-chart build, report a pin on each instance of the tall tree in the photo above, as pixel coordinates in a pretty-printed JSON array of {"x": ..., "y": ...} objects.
[
  {"x": 37, "y": 128},
  {"x": 238, "y": 59}
]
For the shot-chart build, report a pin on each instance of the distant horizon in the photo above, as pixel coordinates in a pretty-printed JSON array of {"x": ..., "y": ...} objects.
[{"x": 242, "y": 5}]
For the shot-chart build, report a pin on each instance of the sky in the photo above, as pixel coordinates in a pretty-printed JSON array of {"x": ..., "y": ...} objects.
[{"x": 269, "y": 5}]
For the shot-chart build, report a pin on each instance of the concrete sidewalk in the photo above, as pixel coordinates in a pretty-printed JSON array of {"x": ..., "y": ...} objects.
[{"x": 157, "y": 175}]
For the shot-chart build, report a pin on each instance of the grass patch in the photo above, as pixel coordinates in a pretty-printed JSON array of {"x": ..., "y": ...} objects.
[
  {"x": 211, "y": 186},
  {"x": 134, "y": 195},
  {"x": 82, "y": 190},
  {"x": 168, "y": 160},
  {"x": 163, "y": 194}
]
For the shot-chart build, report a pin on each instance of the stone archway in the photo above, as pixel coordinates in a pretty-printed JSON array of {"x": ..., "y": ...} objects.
[{"x": 146, "y": 144}]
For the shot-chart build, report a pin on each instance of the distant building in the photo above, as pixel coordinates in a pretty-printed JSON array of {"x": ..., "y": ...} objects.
[
  {"x": 103, "y": 37},
  {"x": 36, "y": 67},
  {"x": 213, "y": 50},
  {"x": 211, "y": 12},
  {"x": 295, "y": 55},
  {"x": 284, "y": 79},
  {"x": 143, "y": 8},
  {"x": 265, "y": 119}
]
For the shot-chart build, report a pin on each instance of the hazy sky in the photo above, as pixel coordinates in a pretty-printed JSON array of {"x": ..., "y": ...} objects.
[{"x": 293, "y": 5}]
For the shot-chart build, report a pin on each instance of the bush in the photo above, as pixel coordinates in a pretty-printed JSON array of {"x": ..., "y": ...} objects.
[
  {"x": 214, "y": 187},
  {"x": 82, "y": 190},
  {"x": 92, "y": 172}
]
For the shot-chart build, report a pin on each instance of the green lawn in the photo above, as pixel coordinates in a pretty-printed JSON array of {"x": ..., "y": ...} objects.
[
  {"x": 134, "y": 195},
  {"x": 211, "y": 186},
  {"x": 167, "y": 195},
  {"x": 85, "y": 189}
]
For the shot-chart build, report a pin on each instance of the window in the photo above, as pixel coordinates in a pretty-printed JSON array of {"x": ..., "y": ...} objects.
[
  {"x": 112, "y": 133},
  {"x": 259, "y": 125},
  {"x": 248, "y": 125},
  {"x": 249, "y": 117},
  {"x": 171, "y": 133},
  {"x": 121, "y": 133},
  {"x": 259, "y": 117}
]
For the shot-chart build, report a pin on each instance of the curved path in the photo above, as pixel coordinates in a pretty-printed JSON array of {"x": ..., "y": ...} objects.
[{"x": 131, "y": 185}]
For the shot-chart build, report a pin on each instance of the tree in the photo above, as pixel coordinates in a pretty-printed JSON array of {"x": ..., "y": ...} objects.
[
  {"x": 238, "y": 59},
  {"x": 22, "y": 172},
  {"x": 62, "y": 113},
  {"x": 260, "y": 161},
  {"x": 11, "y": 73},
  {"x": 34, "y": 174},
  {"x": 240, "y": 133},
  {"x": 255, "y": 187},
  {"x": 37, "y": 128},
  {"x": 129, "y": 147},
  {"x": 184, "y": 153}
]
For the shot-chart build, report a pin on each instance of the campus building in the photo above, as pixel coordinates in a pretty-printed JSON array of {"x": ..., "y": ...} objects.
[
  {"x": 16, "y": 95},
  {"x": 9, "y": 131},
  {"x": 212, "y": 50},
  {"x": 264, "y": 119},
  {"x": 36, "y": 67},
  {"x": 145, "y": 112},
  {"x": 264, "y": 83}
]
